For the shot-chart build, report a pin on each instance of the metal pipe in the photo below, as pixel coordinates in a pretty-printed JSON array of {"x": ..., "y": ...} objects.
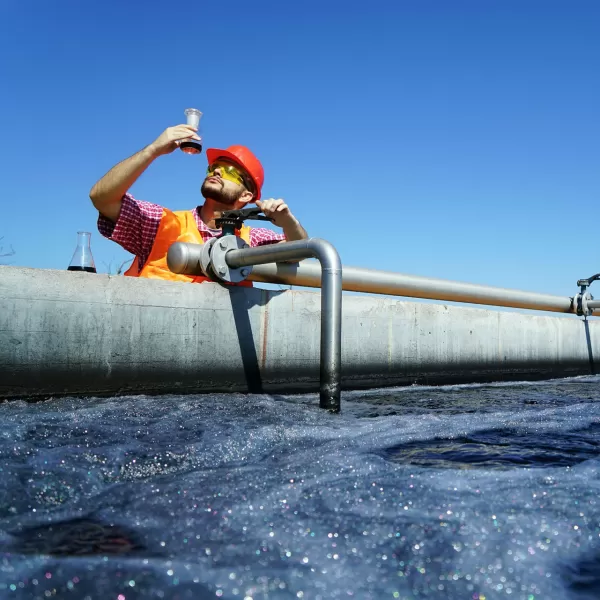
[
  {"x": 593, "y": 304},
  {"x": 380, "y": 282},
  {"x": 329, "y": 278},
  {"x": 397, "y": 284}
]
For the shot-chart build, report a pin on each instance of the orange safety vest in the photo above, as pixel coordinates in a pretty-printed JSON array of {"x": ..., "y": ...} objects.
[{"x": 179, "y": 226}]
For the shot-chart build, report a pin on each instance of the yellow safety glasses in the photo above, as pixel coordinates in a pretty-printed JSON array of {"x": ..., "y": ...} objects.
[{"x": 228, "y": 172}]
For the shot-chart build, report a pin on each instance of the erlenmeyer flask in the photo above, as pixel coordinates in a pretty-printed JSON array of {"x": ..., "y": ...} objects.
[{"x": 82, "y": 257}]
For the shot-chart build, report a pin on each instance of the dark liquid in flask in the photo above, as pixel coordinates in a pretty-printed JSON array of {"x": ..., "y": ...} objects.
[
  {"x": 191, "y": 147},
  {"x": 86, "y": 269}
]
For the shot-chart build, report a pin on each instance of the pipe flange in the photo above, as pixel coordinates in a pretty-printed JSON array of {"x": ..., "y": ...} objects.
[
  {"x": 220, "y": 267},
  {"x": 205, "y": 257},
  {"x": 581, "y": 301}
]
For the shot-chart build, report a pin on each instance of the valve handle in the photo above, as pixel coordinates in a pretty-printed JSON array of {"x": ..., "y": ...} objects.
[
  {"x": 253, "y": 213},
  {"x": 232, "y": 220},
  {"x": 587, "y": 282}
]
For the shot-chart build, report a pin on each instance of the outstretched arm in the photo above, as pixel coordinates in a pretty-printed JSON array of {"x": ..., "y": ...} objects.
[{"x": 107, "y": 193}]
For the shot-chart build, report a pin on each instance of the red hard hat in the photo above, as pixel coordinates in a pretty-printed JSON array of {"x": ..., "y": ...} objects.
[{"x": 240, "y": 155}]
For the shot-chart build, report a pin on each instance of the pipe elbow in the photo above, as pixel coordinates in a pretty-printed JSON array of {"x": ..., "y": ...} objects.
[{"x": 325, "y": 252}]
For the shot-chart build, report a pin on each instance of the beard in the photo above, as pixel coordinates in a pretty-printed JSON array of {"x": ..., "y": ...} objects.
[{"x": 218, "y": 193}]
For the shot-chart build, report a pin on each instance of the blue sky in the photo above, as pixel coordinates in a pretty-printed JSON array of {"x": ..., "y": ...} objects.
[{"x": 451, "y": 138}]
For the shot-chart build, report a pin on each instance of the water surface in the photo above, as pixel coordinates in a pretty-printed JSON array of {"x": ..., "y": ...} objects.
[{"x": 466, "y": 492}]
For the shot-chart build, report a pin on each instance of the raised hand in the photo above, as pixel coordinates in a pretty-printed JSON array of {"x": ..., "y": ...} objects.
[
  {"x": 277, "y": 210},
  {"x": 170, "y": 138}
]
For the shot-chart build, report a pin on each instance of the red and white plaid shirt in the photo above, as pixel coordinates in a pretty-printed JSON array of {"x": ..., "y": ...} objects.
[{"x": 138, "y": 223}]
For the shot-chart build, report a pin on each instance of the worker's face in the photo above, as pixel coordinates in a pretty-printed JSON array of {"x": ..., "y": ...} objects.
[{"x": 221, "y": 187}]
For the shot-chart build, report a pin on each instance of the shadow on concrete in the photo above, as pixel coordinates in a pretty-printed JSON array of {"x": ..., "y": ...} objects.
[
  {"x": 588, "y": 339},
  {"x": 241, "y": 303}
]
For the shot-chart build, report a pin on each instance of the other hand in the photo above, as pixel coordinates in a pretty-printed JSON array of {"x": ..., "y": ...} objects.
[
  {"x": 170, "y": 138},
  {"x": 277, "y": 210}
]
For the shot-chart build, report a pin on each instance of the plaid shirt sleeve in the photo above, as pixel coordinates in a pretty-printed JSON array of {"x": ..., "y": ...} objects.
[
  {"x": 259, "y": 236},
  {"x": 136, "y": 228}
]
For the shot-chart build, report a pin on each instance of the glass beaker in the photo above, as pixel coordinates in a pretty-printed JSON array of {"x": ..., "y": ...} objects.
[
  {"x": 82, "y": 257},
  {"x": 190, "y": 146}
]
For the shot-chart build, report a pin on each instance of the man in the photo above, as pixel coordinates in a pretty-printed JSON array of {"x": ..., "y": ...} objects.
[{"x": 235, "y": 178}]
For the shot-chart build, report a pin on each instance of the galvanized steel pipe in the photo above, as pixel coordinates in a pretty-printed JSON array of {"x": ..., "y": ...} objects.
[{"x": 397, "y": 284}]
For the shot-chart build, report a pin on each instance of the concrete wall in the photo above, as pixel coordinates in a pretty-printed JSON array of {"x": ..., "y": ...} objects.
[{"x": 76, "y": 333}]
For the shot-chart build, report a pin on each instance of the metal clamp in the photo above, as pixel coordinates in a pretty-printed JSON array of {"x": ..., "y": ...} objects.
[{"x": 217, "y": 251}]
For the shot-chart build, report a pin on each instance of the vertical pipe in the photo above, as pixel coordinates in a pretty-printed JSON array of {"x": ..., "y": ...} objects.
[
  {"x": 331, "y": 333},
  {"x": 331, "y": 303}
]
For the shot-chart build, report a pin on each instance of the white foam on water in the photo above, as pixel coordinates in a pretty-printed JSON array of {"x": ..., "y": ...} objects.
[{"x": 238, "y": 496}]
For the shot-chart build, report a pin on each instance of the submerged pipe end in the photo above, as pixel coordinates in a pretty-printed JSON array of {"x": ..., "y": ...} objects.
[{"x": 330, "y": 395}]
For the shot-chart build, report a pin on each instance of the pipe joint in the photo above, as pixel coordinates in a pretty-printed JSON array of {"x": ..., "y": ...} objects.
[
  {"x": 582, "y": 304},
  {"x": 216, "y": 259}
]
